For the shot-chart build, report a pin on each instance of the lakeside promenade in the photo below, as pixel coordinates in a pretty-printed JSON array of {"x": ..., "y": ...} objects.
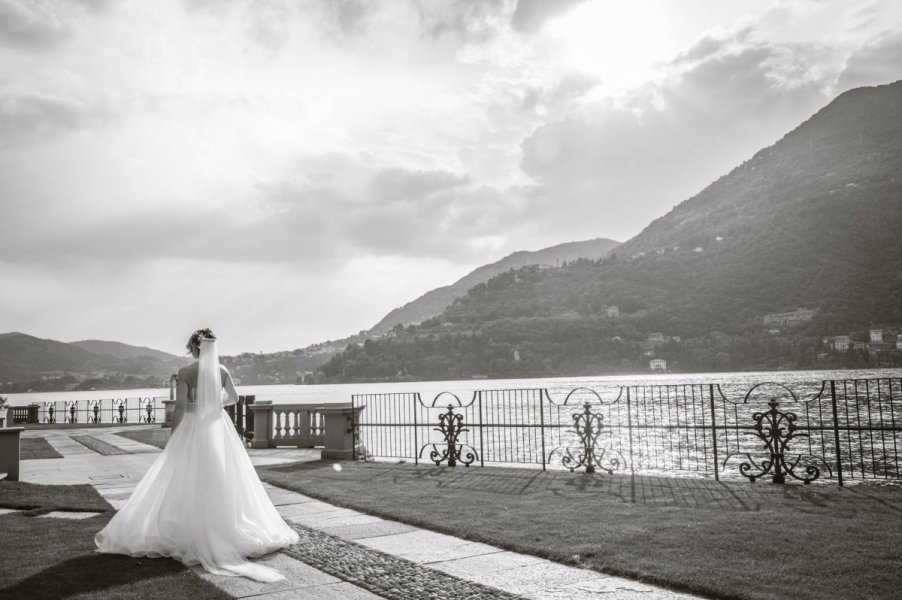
[{"x": 343, "y": 553}]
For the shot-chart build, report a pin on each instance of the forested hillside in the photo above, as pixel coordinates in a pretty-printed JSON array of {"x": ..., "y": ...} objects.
[
  {"x": 432, "y": 303},
  {"x": 812, "y": 221},
  {"x": 28, "y": 363}
]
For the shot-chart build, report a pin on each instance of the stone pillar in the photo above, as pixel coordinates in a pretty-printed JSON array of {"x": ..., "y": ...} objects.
[
  {"x": 9, "y": 452},
  {"x": 168, "y": 410},
  {"x": 169, "y": 405},
  {"x": 262, "y": 423},
  {"x": 339, "y": 443}
]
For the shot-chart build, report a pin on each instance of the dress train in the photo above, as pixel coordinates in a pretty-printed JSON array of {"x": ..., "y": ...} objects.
[{"x": 201, "y": 502}]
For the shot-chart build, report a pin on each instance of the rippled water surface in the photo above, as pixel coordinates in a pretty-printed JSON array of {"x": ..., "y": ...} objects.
[{"x": 733, "y": 385}]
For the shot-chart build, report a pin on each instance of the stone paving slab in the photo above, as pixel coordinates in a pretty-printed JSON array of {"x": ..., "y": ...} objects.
[
  {"x": 337, "y": 518},
  {"x": 116, "y": 496},
  {"x": 375, "y": 528},
  {"x": 423, "y": 546},
  {"x": 281, "y": 496},
  {"x": 297, "y": 577},
  {"x": 67, "y": 514},
  {"x": 127, "y": 444},
  {"x": 331, "y": 591},
  {"x": 541, "y": 579},
  {"x": 67, "y": 446},
  {"x": 314, "y": 507},
  {"x": 499, "y": 561},
  {"x": 93, "y": 468}
]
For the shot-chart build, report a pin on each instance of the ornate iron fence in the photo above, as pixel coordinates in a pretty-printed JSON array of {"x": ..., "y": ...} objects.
[
  {"x": 838, "y": 430},
  {"x": 90, "y": 412}
]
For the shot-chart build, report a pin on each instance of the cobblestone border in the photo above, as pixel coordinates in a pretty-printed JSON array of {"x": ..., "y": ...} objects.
[
  {"x": 98, "y": 446},
  {"x": 382, "y": 574}
]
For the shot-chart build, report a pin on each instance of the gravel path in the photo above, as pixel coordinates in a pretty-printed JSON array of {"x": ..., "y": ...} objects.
[{"x": 382, "y": 574}]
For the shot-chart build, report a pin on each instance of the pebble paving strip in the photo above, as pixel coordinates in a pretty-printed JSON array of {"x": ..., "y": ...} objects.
[
  {"x": 382, "y": 574},
  {"x": 98, "y": 446}
]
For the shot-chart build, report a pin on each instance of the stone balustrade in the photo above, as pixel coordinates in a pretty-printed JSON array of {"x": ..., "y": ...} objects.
[{"x": 329, "y": 426}]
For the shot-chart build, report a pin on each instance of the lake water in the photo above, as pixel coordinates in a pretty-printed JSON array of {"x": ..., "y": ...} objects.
[
  {"x": 502, "y": 427},
  {"x": 732, "y": 384}
]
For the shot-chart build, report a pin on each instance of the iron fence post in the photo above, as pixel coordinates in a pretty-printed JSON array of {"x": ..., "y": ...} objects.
[
  {"x": 354, "y": 434},
  {"x": 481, "y": 449},
  {"x": 416, "y": 437},
  {"x": 542, "y": 422},
  {"x": 629, "y": 428},
  {"x": 714, "y": 432},
  {"x": 836, "y": 432}
]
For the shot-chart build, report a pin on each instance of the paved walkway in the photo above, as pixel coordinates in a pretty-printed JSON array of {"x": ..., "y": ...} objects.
[{"x": 343, "y": 554}]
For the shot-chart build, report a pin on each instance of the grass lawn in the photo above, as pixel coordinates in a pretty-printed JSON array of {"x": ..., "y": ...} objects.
[
  {"x": 737, "y": 540},
  {"x": 49, "y": 558},
  {"x": 154, "y": 437},
  {"x": 32, "y": 448}
]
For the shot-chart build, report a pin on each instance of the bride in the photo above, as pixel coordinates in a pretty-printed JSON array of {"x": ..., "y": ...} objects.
[{"x": 201, "y": 501}]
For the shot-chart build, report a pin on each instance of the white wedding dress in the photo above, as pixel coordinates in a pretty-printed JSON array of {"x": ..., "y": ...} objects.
[{"x": 201, "y": 502}]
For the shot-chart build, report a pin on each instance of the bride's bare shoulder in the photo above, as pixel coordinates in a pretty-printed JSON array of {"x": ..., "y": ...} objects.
[{"x": 188, "y": 371}]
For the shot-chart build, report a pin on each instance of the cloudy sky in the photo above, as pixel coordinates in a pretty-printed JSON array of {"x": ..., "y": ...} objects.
[{"x": 287, "y": 172}]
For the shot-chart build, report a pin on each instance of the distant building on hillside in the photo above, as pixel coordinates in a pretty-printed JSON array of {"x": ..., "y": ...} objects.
[
  {"x": 841, "y": 343},
  {"x": 899, "y": 342},
  {"x": 656, "y": 338},
  {"x": 876, "y": 335},
  {"x": 789, "y": 318},
  {"x": 612, "y": 312},
  {"x": 657, "y": 364}
]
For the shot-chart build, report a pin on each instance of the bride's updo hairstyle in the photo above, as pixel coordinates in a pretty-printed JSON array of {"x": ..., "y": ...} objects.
[{"x": 194, "y": 341}]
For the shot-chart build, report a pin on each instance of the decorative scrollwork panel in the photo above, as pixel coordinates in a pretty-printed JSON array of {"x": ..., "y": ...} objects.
[
  {"x": 451, "y": 425},
  {"x": 776, "y": 429},
  {"x": 588, "y": 426}
]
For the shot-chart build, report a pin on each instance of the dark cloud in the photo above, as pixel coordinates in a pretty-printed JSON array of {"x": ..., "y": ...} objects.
[
  {"x": 557, "y": 98},
  {"x": 394, "y": 212},
  {"x": 269, "y": 24},
  {"x": 30, "y": 26},
  {"x": 350, "y": 17},
  {"x": 710, "y": 45},
  {"x": 96, "y": 6},
  {"x": 463, "y": 18},
  {"x": 311, "y": 218},
  {"x": 877, "y": 62},
  {"x": 43, "y": 114},
  {"x": 530, "y": 15},
  {"x": 400, "y": 185}
]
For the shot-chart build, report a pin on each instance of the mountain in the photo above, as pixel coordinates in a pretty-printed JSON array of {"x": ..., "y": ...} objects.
[
  {"x": 120, "y": 350},
  {"x": 812, "y": 221},
  {"x": 23, "y": 356},
  {"x": 432, "y": 303},
  {"x": 302, "y": 363},
  {"x": 28, "y": 362}
]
